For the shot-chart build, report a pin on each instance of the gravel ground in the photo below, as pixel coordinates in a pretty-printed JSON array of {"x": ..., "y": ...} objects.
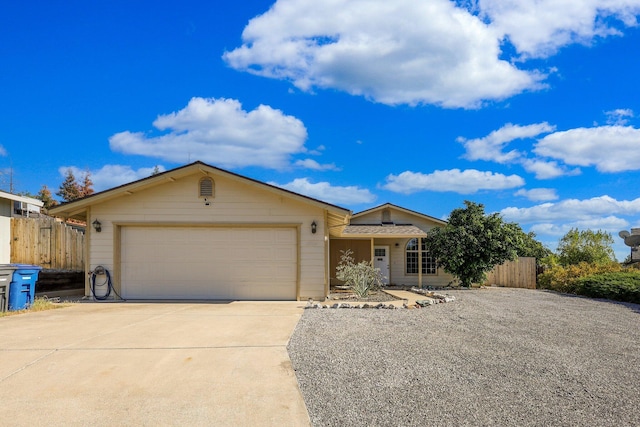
[
  {"x": 494, "y": 357},
  {"x": 375, "y": 296}
]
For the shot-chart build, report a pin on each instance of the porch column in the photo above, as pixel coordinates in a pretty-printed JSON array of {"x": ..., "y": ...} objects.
[
  {"x": 327, "y": 254},
  {"x": 420, "y": 262},
  {"x": 372, "y": 251}
]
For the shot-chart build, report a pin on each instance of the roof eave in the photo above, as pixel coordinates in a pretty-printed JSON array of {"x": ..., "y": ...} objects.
[
  {"x": 23, "y": 199},
  {"x": 381, "y": 236}
]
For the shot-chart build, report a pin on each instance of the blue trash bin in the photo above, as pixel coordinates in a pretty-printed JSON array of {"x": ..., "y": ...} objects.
[{"x": 22, "y": 290}]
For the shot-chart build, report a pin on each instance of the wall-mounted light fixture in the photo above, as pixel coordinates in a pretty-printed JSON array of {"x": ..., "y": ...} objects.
[
  {"x": 314, "y": 227},
  {"x": 97, "y": 226}
]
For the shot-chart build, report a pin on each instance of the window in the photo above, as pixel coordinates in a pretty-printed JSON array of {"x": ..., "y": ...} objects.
[
  {"x": 429, "y": 265},
  {"x": 206, "y": 187},
  {"x": 379, "y": 252}
]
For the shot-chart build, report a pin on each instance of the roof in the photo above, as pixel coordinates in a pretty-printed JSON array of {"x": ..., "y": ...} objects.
[
  {"x": 409, "y": 211},
  {"x": 23, "y": 199},
  {"x": 338, "y": 216},
  {"x": 373, "y": 230}
]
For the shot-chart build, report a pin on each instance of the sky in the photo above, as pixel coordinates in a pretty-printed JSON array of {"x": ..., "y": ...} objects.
[{"x": 531, "y": 108}]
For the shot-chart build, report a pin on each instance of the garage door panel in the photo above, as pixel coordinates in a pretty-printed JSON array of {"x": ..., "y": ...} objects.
[{"x": 208, "y": 263}]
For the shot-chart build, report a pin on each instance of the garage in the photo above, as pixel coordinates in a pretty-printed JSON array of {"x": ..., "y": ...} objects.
[
  {"x": 200, "y": 232},
  {"x": 226, "y": 263}
]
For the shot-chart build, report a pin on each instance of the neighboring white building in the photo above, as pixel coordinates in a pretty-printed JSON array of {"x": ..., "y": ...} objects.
[{"x": 11, "y": 206}]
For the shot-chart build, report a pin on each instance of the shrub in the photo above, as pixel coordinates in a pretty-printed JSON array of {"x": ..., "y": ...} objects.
[
  {"x": 618, "y": 286},
  {"x": 564, "y": 279},
  {"x": 361, "y": 277}
]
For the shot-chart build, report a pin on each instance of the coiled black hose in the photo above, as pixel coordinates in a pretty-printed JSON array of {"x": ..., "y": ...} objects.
[{"x": 101, "y": 271}]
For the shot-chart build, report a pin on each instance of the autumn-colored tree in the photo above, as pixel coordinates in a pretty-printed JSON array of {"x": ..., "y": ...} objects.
[
  {"x": 86, "y": 188},
  {"x": 46, "y": 197},
  {"x": 69, "y": 189}
]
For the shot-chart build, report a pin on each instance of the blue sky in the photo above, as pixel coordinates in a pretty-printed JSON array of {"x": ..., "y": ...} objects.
[{"x": 530, "y": 108}]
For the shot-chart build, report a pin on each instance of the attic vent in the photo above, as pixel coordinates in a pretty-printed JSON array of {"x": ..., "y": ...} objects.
[
  {"x": 206, "y": 187},
  {"x": 386, "y": 216}
]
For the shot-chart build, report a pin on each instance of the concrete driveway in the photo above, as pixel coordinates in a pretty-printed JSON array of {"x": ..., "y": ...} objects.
[{"x": 154, "y": 364}]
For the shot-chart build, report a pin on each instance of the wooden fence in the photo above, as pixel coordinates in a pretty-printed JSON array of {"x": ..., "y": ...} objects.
[
  {"x": 520, "y": 273},
  {"x": 48, "y": 243}
]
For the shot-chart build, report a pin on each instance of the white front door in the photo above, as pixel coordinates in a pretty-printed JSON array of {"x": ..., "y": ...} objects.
[{"x": 381, "y": 261}]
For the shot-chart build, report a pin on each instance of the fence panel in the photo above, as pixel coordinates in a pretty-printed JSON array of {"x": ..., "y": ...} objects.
[
  {"x": 520, "y": 273},
  {"x": 48, "y": 243}
]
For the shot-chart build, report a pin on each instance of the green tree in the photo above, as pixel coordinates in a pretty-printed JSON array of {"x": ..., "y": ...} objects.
[
  {"x": 530, "y": 247},
  {"x": 46, "y": 197},
  {"x": 472, "y": 243},
  {"x": 69, "y": 189},
  {"x": 593, "y": 247}
]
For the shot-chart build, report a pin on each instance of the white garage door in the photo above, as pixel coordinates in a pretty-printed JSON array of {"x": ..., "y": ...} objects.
[{"x": 208, "y": 263}]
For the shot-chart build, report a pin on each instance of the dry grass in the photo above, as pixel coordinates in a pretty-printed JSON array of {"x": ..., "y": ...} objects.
[{"x": 39, "y": 304}]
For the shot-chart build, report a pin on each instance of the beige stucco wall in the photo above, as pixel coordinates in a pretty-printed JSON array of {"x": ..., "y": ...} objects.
[{"x": 235, "y": 202}]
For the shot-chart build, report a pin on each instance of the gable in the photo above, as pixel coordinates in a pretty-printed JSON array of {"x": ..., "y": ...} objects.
[
  {"x": 163, "y": 183},
  {"x": 181, "y": 200},
  {"x": 391, "y": 215}
]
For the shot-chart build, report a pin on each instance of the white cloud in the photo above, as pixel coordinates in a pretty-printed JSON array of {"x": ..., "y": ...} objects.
[
  {"x": 3, "y": 151},
  {"x": 392, "y": 52},
  {"x": 464, "y": 182},
  {"x": 219, "y": 132},
  {"x": 573, "y": 210},
  {"x": 619, "y": 117},
  {"x": 608, "y": 148},
  {"x": 491, "y": 146},
  {"x": 544, "y": 169},
  {"x": 110, "y": 176},
  {"x": 611, "y": 224},
  {"x": 553, "y": 220},
  {"x": 312, "y": 164},
  {"x": 350, "y": 195},
  {"x": 539, "y": 28},
  {"x": 427, "y": 52},
  {"x": 538, "y": 194},
  {"x": 318, "y": 151}
]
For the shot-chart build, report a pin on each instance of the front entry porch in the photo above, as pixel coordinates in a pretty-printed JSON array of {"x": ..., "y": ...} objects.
[{"x": 403, "y": 260}]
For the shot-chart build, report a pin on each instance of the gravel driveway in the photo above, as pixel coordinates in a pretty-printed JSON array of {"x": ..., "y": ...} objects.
[{"x": 494, "y": 357}]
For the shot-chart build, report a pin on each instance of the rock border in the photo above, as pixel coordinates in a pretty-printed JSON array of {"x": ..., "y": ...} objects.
[
  {"x": 431, "y": 294},
  {"x": 434, "y": 298}
]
